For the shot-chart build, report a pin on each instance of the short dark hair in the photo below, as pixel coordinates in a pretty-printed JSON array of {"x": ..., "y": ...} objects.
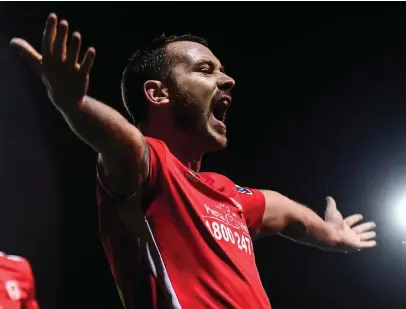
[{"x": 148, "y": 62}]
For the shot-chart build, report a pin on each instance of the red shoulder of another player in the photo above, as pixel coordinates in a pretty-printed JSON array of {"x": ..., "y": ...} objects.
[
  {"x": 17, "y": 263},
  {"x": 21, "y": 269},
  {"x": 30, "y": 301},
  {"x": 252, "y": 201}
]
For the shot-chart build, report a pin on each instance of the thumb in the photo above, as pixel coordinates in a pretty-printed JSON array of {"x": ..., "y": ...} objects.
[
  {"x": 28, "y": 53},
  {"x": 331, "y": 203},
  {"x": 331, "y": 209}
]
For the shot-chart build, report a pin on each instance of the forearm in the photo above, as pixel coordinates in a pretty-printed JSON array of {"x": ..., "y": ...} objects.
[
  {"x": 308, "y": 228},
  {"x": 296, "y": 222},
  {"x": 123, "y": 156},
  {"x": 98, "y": 125}
]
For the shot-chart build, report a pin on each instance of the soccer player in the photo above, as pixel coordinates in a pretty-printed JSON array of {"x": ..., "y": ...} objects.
[
  {"x": 17, "y": 289},
  {"x": 175, "y": 237}
]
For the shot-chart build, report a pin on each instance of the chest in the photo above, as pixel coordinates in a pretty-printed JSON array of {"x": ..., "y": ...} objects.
[
  {"x": 207, "y": 209},
  {"x": 191, "y": 194}
]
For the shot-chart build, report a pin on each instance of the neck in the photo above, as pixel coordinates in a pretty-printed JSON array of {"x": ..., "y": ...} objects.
[{"x": 181, "y": 145}]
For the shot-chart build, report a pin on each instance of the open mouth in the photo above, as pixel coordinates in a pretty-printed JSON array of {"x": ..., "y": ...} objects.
[{"x": 220, "y": 110}]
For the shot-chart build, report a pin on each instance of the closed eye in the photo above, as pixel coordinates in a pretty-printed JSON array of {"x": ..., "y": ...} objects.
[{"x": 206, "y": 70}]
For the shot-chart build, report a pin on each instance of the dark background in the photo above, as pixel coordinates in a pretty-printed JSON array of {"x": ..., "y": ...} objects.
[{"x": 318, "y": 110}]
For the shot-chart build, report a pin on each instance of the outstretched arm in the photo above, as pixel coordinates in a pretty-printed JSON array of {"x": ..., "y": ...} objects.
[
  {"x": 300, "y": 223},
  {"x": 123, "y": 156}
]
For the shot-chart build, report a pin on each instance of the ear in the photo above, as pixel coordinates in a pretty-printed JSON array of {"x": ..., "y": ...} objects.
[{"x": 156, "y": 92}]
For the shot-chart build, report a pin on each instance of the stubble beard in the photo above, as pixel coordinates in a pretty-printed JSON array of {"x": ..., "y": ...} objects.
[
  {"x": 192, "y": 118},
  {"x": 189, "y": 115}
]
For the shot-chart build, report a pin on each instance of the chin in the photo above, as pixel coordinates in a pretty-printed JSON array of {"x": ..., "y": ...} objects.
[
  {"x": 219, "y": 145},
  {"x": 216, "y": 141}
]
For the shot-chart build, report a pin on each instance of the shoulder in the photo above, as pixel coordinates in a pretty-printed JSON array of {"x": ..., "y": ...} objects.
[
  {"x": 158, "y": 152},
  {"x": 156, "y": 144},
  {"x": 161, "y": 159},
  {"x": 17, "y": 263},
  {"x": 243, "y": 190},
  {"x": 219, "y": 180},
  {"x": 12, "y": 258}
]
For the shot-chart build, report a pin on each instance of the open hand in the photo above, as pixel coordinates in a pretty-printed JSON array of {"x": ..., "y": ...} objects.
[
  {"x": 352, "y": 237},
  {"x": 66, "y": 80}
]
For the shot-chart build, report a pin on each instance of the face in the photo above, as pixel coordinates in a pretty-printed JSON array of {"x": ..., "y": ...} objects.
[{"x": 200, "y": 93}]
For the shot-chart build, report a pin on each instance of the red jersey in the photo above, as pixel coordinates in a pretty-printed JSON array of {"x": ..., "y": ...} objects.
[
  {"x": 185, "y": 241},
  {"x": 17, "y": 289}
]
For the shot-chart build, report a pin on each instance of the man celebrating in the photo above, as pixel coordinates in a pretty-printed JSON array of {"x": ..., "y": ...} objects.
[
  {"x": 17, "y": 290},
  {"x": 174, "y": 237}
]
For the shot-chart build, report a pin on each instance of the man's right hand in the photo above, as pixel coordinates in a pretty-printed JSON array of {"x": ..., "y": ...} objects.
[
  {"x": 124, "y": 156},
  {"x": 65, "y": 79}
]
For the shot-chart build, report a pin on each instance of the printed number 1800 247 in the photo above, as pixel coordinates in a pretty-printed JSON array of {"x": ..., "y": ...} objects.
[{"x": 223, "y": 232}]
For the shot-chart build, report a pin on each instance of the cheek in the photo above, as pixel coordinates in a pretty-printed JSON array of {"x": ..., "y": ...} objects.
[
  {"x": 199, "y": 86},
  {"x": 203, "y": 90}
]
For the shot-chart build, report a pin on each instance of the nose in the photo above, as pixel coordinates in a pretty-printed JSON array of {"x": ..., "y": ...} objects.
[{"x": 225, "y": 83}]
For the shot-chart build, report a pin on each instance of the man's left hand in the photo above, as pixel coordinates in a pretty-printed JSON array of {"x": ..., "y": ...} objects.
[{"x": 350, "y": 236}]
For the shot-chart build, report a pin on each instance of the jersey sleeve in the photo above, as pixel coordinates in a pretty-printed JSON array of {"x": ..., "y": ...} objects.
[
  {"x": 111, "y": 228},
  {"x": 157, "y": 157},
  {"x": 253, "y": 202},
  {"x": 124, "y": 260}
]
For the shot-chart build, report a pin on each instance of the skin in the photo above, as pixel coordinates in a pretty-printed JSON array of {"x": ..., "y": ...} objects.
[
  {"x": 200, "y": 77},
  {"x": 181, "y": 114},
  {"x": 198, "y": 84}
]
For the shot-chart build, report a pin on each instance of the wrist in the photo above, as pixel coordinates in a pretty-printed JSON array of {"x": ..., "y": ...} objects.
[
  {"x": 73, "y": 110},
  {"x": 333, "y": 240},
  {"x": 324, "y": 234}
]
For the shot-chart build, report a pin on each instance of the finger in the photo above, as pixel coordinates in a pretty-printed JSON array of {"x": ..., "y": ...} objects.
[
  {"x": 351, "y": 220},
  {"x": 368, "y": 244},
  {"x": 49, "y": 35},
  {"x": 61, "y": 40},
  {"x": 364, "y": 227},
  {"x": 367, "y": 235},
  {"x": 88, "y": 60},
  {"x": 73, "y": 50},
  {"x": 28, "y": 53}
]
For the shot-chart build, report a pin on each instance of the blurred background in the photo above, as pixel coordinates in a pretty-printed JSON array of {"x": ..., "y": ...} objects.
[{"x": 319, "y": 109}]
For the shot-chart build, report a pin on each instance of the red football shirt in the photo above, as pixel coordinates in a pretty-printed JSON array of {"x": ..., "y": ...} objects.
[
  {"x": 185, "y": 242},
  {"x": 17, "y": 289}
]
